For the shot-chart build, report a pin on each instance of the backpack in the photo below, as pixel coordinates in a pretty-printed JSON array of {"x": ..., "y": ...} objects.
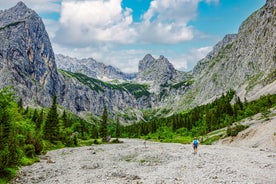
[{"x": 195, "y": 142}]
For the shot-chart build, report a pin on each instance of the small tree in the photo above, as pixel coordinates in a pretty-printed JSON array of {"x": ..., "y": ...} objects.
[
  {"x": 118, "y": 132},
  {"x": 35, "y": 116},
  {"x": 40, "y": 119},
  {"x": 51, "y": 125},
  {"x": 20, "y": 104},
  {"x": 103, "y": 128},
  {"x": 64, "y": 119}
]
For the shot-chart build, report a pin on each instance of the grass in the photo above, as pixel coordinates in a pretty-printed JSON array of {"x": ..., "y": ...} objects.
[
  {"x": 169, "y": 138},
  {"x": 8, "y": 175},
  {"x": 89, "y": 142},
  {"x": 211, "y": 140},
  {"x": 129, "y": 158},
  {"x": 28, "y": 161}
]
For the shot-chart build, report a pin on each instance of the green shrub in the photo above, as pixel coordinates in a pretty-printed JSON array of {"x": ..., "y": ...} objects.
[
  {"x": 29, "y": 150},
  {"x": 116, "y": 141},
  {"x": 234, "y": 130}
]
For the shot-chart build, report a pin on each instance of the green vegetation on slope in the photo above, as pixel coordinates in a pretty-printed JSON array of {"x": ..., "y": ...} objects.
[
  {"x": 137, "y": 90},
  {"x": 201, "y": 120},
  {"x": 26, "y": 132}
]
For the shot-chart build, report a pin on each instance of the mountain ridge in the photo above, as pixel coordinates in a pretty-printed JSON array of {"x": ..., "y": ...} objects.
[{"x": 244, "y": 62}]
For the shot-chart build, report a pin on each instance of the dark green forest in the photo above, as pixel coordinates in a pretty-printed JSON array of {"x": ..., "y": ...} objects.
[{"x": 27, "y": 132}]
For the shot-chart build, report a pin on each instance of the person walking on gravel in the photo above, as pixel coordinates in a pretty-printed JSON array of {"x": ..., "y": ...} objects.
[{"x": 195, "y": 144}]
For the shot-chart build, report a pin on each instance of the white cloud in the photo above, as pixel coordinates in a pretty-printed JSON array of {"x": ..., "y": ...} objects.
[
  {"x": 187, "y": 61},
  {"x": 83, "y": 22},
  {"x": 90, "y": 21},
  {"x": 51, "y": 27}
]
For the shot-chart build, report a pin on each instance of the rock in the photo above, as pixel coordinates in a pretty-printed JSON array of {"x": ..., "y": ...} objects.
[{"x": 49, "y": 161}]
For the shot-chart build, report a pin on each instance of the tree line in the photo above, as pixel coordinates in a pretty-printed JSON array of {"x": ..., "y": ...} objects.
[
  {"x": 27, "y": 132},
  {"x": 222, "y": 112}
]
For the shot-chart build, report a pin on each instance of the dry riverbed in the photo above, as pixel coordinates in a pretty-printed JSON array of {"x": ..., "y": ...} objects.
[{"x": 133, "y": 162}]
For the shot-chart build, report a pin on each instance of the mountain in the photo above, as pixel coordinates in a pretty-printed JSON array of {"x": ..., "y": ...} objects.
[
  {"x": 92, "y": 68},
  {"x": 158, "y": 73},
  {"x": 27, "y": 63},
  {"x": 27, "y": 60},
  {"x": 245, "y": 62}
]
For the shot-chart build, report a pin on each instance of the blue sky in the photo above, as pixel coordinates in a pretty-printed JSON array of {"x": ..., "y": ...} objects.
[{"x": 121, "y": 32}]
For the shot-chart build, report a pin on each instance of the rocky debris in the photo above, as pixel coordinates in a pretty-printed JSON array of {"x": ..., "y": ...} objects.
[
  {"x": 260, "y": 135},
  {"x": 132, "y": 162}
]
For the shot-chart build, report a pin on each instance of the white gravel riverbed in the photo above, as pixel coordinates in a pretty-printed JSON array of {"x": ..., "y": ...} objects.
[{"x": 132, "y": 162}]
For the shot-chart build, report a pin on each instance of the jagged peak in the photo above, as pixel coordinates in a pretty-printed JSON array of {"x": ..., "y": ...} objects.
[
  {"x": 20, "y": 8},
  {"x": 148, "y": 57},
  {"x": 22, "y": 5},
  {"x": 17, "y": 13}
]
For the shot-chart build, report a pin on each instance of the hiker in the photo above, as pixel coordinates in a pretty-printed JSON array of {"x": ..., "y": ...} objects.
[{"x": 195, "y": 144}]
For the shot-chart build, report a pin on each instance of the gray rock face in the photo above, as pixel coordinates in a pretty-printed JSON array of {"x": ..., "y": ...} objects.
[
  {"x": 159, "y": 73},
  {"x": 92, "y": 97},
  {"x": 245, "y": 62},
  {"x": 158, "y": 70},
  {"x": 26, "y": 56},
  {"x": 220, "y": 45},
  {"x": 92, "y": 68}
]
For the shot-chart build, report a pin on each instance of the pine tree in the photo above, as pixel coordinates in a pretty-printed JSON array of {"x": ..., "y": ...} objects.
[
  {"x": 26, "y": 111},
  {"x": 94, "y": 132},
  {"x": 40, "y": 119},
  {"x": 51, "y": 125},
  {"x": 35, "y": 116},
  {"x": 103, "y": 128},
  {"x": 5, "y": 128},
  {"x": 20, "y": 104},
  {"x": 118, "y": 131},
  {"x": 64, "y": 119}
]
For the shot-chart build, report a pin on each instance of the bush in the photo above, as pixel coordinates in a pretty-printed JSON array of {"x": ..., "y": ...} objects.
[
  {"x": 116, "y": 141},
  {"x": 96, "y": 141},
  {"x": 29, "y": 150},
  {"x": 234, "y": 130}
]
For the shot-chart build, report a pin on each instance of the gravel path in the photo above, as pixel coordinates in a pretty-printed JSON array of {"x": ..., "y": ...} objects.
[{"x": 132, "y": 162}]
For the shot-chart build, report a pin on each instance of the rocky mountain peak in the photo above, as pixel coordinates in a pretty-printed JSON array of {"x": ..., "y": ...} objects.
[
  {"x": 155, "y": 71},
  {"x": 27, "y": 57},
  {"x": 149, "y": 63},
  {"x": 16, "y": 13},
  {"x": 21, "y": 5}
]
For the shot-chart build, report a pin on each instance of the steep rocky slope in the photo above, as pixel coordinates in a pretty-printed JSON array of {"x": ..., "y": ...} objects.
[
  {"x": 245, "y": 62},
  {"x": 27, "y": 59}
]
